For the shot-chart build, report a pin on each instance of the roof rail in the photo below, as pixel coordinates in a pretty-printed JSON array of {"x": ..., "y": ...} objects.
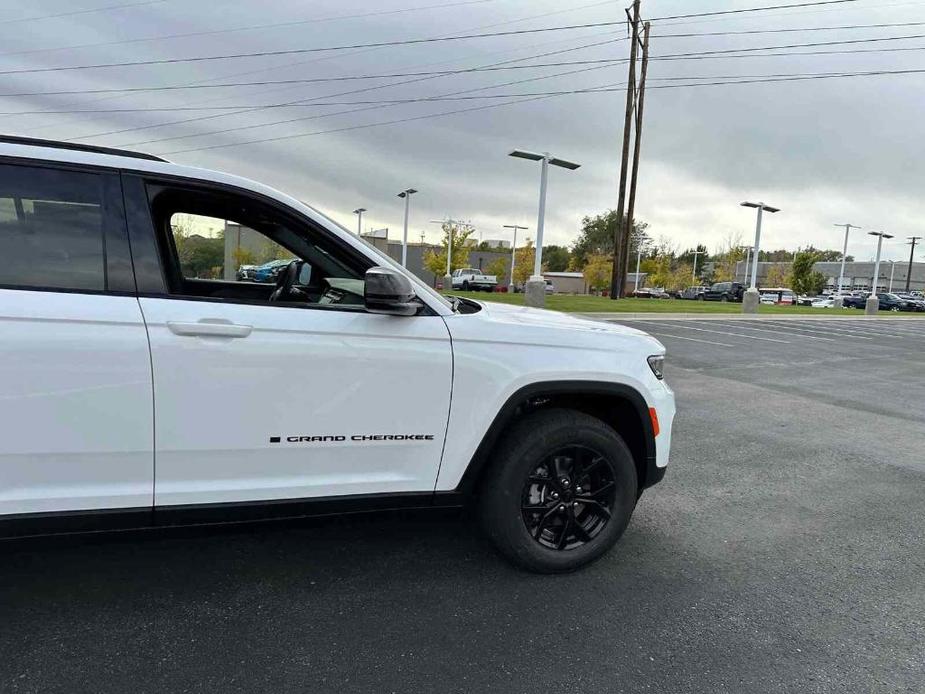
[{"x": 57, "y": 144}]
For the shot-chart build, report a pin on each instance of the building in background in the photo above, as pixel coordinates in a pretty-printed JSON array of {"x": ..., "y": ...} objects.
[
  {"x": 859, "y": 275},
  {"x": 567, "y": 282}
]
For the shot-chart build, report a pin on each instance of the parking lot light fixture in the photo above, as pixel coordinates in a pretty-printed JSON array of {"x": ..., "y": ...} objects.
[
  {"x": 873, "y": 302},
  {"x": 892, "y": 270},
  {"x": 515, "y": 227},
  {"x": 535, "y": 292},
  {"x": 751, "y": 300},
  {"x": 359, "y": 213},
  {"x": 841, "y": 274},
  {"x": 406, "y": 194}
]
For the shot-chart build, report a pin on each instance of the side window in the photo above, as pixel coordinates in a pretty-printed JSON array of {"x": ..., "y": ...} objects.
[
  {"x": 51, "y": 229},
  {"x": 229, "y": 247}
]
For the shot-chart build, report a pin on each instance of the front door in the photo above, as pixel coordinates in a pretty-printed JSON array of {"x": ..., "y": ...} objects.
[{"x": 266, "y": 397}]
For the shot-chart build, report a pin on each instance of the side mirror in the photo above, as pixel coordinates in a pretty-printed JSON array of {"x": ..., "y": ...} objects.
[{"x": 389, "y": 292}]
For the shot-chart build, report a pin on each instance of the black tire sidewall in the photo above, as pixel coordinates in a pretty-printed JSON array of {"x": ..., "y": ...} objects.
[{"x": 534, "y": 438}]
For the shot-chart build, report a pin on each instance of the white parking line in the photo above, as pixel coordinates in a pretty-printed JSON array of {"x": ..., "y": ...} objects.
[
  {"x": 788, "y": 326},
  {"x": 778, "y": 332},
  {"x": 691, "y": 339},
  {"x": 855, "y": 330},
  {"x": 682, "y": 325}
]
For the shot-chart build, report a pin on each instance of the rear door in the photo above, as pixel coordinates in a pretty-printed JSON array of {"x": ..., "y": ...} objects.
[
  {"x": 75, "y": 371},
  {"x": 260, "y": 400}
]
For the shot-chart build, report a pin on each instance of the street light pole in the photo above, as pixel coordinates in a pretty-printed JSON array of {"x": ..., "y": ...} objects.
[
  {"x": 892, "y": 270},
  {"x": 359, "y": 213},
  {"x": 515, "y": 227},
  {"x": 873, "y": 302},
  {"x": 694, "y": 274},
  {"x": 535, "y": 289},
  {"x": 748, "y": 257},
  {"x": 406, "y": 194},
  {"x": 448, "y": 278},
  {"x": 638, "y": 262},
  {"x": 837, "y": 303},
  {"x": 751, "y": 299}
]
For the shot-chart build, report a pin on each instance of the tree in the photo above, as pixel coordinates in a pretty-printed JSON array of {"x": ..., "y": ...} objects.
[
  {"x": 435, "y": 261},
  {"x": 524, "y": 256},
  {"x": 778, "y": 276},
  {"x": 597, "y": 235},
  {"x": 556, "y": 258},
  {"x": 597, "y": 272},
  {"x": 806, "y": 280},
  {"x": 498, "y": 268},
  {"x": 727, "y": 255},
  {"x": 199, "y": 256}
]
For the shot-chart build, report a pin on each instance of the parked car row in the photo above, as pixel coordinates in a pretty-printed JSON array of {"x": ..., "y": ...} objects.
[{"x": 266, "y": 273}]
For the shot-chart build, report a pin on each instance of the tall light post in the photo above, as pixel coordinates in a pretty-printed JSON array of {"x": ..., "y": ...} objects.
[
  {"x": 892, "y": 270},
  {"x": 748, "y": 257},
  {"x": 639, "y": 247},
  {"x": 751, "y": 299},
  {"x": 873, "y": 302},
  {"x": 694, "y": 273},
  {"x": 406, "y": 194},
  {"x": 448, "y": 277},
  {"x": 837, "y": 303},
  {"x": 535, "y": 289},
  {"x": 515, "y": 227},
  {"x": 359, "y": 213}
]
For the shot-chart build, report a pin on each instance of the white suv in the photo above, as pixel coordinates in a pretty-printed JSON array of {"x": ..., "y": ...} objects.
[{"x": 143, "y": 384}]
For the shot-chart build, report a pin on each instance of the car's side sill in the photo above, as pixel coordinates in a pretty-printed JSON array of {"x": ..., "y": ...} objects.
[{"x": 105, "y": 520}]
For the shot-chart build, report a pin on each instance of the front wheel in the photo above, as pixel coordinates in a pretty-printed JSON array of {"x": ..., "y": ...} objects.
[
  {"x": 465, "y": 286},
  {"x": 560, "y": 491}
]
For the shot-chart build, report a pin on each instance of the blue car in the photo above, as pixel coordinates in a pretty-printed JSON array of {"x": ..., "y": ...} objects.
[{"x": 268, "y": 272}]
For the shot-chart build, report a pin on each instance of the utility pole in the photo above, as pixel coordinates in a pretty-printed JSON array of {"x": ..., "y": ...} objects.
[
  {"x": 515, "y": 227},
  {"x": 912, "y": 241},
  {"x": 617, "y": 283},
  {"x": 841, "y": 275},
  {"x": 637, "y": 144}
]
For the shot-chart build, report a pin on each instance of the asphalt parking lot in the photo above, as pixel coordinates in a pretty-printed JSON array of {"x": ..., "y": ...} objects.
[{"x": 784, "y": 552}]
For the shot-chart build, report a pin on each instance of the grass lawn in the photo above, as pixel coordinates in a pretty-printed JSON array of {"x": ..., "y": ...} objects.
[{"x": 598, "y": 304}]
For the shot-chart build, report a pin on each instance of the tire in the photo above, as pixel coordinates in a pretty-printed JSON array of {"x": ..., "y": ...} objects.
[
  {"x": 699, "y": 297},
  {"x": 550, "y": 536},
  {"x": 724, "y": 299},
  {"x": 465, "y": 285}
]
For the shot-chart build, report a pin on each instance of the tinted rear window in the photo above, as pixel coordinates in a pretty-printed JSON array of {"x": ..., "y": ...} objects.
[{"x": 51, "y": 229}]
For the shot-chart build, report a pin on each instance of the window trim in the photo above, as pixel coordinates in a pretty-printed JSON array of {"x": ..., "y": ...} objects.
[
  {"x": 141, "y": 227},
  {"x": 118, "y": 270}
]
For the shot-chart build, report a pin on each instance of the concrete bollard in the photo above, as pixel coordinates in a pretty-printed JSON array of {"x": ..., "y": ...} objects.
[{"x": 750, "y": 301}]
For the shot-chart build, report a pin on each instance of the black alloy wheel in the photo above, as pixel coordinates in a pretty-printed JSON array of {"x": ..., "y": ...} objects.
[{"x": 568, "y": 498}]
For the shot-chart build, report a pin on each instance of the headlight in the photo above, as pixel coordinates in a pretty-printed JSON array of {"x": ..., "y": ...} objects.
[{"x": 657, "y": 364}]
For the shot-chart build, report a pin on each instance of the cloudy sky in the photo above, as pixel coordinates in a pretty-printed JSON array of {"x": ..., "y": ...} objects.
[{"x": 824, "y": 150}]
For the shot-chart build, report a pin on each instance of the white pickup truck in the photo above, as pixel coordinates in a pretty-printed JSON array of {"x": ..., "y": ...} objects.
[
  {"x": 138, "y": 388},
  {"x": 469, "y": 279}
]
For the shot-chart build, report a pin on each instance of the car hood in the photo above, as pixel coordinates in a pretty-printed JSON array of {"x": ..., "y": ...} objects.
[{"x": 505, "y": 322}]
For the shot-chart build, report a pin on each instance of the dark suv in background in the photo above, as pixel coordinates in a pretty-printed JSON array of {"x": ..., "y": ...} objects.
[{"x": 725, "y": 291}]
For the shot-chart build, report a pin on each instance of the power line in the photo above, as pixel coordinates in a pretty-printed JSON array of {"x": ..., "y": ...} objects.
[
  {"x": 312, "y": 80},
  {"x": 481, "y": 27},
  {"x": 257, "y": 27},
  {"x": 424, "y": 99},
  {"x": 791, "y": 30},
  {"x": 345, "y": 78},
  {"x": 676, "y": 56},
  {"x": 366, "y": 108},
  {"x": 525, "y": 99},
  {"x": 750, "y": 9},
  {"x": 77, "y": 12},
  {"x": 347, "y": 93},
  {"x": 298, "y": 51}
]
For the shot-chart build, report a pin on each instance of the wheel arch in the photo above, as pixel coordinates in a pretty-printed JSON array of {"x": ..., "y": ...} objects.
[{"x": 618, "y": 405}]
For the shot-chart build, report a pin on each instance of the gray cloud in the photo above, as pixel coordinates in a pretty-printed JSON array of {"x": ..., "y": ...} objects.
[{"x": 825, "y": 151}]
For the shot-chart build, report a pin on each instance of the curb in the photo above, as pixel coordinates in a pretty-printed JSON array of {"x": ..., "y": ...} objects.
[{"x": 615, "y": 315}]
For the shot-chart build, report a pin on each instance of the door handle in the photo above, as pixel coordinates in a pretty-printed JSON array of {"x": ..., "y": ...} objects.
[{"x": 209, "y": 328}]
